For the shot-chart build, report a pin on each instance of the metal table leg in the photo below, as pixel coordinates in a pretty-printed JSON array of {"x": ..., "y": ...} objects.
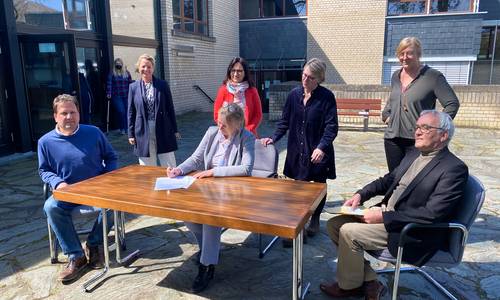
[
  {"x": 298, "y": 293},
  {"x": 119, "y": 238},
  {"x": 101, "y": 274}
]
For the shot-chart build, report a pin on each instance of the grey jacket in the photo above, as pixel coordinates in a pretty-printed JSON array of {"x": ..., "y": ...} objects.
[
  {"x": 404, "y": 108},
  {"x": 241, "y": 156}
]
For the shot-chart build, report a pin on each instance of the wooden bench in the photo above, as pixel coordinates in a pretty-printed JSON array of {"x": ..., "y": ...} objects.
[{"x": 359, "y": 107}]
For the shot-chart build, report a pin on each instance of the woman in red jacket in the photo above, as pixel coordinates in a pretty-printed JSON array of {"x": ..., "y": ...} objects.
[{"x": 237, "y": 87}]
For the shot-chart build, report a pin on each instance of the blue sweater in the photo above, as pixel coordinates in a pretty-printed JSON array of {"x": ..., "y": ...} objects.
[{"x": 85, "y": 154}]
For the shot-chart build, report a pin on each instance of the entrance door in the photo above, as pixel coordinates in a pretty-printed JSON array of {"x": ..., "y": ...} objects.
[
  {"x": 6, "y": 145},
  {"x": 50, "y": 69},
  {"x": 90, "y": 67}
]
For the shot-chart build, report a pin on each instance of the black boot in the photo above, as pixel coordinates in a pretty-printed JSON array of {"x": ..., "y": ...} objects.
[
  {"x": 205, "y": 274},
  {"x": 313, "y": 227}
]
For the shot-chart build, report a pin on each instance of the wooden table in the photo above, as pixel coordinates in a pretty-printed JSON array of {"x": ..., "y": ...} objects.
[{"x": 261, "y": 205}]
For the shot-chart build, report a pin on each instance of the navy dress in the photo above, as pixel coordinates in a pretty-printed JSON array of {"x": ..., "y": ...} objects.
[{"x": 310, "y": 126}]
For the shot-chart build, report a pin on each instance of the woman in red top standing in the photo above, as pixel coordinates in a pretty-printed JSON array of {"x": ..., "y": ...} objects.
[{"x": 238, "y": 88}]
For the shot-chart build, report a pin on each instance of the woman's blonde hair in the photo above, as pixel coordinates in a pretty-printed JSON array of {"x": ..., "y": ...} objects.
[
  {"x": 233, "y": 114},
  {"x": 317, "y": 67},
  {"x": 410, "y": 41},
  {"x": 123, "y": 71},
  {"x": 146, "y": 57}
]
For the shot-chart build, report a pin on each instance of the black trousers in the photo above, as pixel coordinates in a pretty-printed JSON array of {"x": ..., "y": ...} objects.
[
  {"x": 396, "y": 149},
  {"x": 319, "y": 209}
]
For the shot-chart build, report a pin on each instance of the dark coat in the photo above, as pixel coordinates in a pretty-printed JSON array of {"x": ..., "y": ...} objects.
[
  {"x": 430, "y": 198},
  {"x": 166, "y": 125},
  {"x": 312, "y": 126}
]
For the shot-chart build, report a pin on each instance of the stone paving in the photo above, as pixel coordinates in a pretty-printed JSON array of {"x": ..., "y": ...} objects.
[{"x": 166, "y": 267}]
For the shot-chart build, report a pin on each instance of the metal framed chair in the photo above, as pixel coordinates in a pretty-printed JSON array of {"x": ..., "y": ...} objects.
[
  {"x": 459, "y": 230},
  {"x": 87, "y": 211},
  {"x": 265, "y": 165}
]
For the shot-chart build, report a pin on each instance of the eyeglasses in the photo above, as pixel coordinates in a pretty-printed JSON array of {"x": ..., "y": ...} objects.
[
  {"x": 237, "y": 71},
  {"x": 308, "y": 77},
  {"x": 427, "y": 128}
]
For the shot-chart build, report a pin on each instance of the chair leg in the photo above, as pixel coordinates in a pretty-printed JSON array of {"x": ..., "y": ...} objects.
[
  {"x": 435, "y": 283},
  {"x": 262, "y": 250},
  {"x": 122, "y": 231},
  {"x": 396, "y": 274},
  {"x": 398, "y": 269},
  {"x": 52, "y": 245}
]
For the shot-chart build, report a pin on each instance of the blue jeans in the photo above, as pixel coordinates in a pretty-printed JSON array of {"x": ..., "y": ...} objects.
[
  {"x": 59, "y": 216},
  {"x": 120, "y": 105}
]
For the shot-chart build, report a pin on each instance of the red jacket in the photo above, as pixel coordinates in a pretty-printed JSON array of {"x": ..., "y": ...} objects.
[{"x": 253, "y": 108}]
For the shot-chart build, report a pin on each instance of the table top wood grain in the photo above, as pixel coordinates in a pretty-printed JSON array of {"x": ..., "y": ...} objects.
[{"x": 262, "y": 205}]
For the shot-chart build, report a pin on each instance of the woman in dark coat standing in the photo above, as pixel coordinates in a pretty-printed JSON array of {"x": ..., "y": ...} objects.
[
  {"x": 310, "y": 117},
  {"x": 152, "y": 127}
]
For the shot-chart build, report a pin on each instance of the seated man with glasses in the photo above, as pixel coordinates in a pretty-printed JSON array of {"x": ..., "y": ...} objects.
[{"x": 424, "y": 188}]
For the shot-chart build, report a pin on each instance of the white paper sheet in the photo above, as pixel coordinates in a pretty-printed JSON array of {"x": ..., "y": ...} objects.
[
  {"x": 346, "y": 210},
  {"x": 179, "y": 182}
]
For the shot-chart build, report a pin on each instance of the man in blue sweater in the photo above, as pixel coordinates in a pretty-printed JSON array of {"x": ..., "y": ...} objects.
[{"x": 66, "y": 155}]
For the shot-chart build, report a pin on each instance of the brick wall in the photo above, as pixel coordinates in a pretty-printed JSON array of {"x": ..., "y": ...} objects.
[
  {"x": 349, "y": 36},
  {"x": 193, "y": 60},
  {"x": 479, "y": 104}
]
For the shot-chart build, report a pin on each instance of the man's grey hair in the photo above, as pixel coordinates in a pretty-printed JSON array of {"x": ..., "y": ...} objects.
[{"x": 445, "y": 122}]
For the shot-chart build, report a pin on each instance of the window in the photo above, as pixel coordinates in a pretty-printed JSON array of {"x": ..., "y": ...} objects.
[
  {"x": 422, "y": 7},
  {"x": 67, "y": 14},
  {"x": 191, "y": 16},
  {"x": 440, "y": 6},
  {"x": 486, "y": 46},
  {"x": 252, "y": 9},
  {"x": 137, "y": 20},
  {"x": 486, "y": 70},
  {"x": 406, "y": 7}
]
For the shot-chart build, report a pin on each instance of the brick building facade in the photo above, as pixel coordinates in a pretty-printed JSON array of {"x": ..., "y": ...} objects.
[
  {"x": 194, "y": 60},
  {"x": 352, "y": 47}
]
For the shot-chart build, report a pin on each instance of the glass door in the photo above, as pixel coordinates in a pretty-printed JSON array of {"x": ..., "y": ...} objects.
[
  {"x": 6, "y": 145},
  {"x": 50, "y": 69},
  {"x": 92, "y": 84}
]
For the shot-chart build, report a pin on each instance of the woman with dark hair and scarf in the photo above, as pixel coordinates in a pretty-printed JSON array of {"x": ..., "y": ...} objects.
[{"x": 238, "y": 88}]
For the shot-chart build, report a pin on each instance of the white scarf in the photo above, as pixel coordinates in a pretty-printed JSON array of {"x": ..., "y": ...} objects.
[{"x": 238, "y": 90}]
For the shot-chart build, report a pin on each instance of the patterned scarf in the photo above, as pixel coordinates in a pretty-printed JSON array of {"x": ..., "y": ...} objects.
[{"x": 238, "y": 90}]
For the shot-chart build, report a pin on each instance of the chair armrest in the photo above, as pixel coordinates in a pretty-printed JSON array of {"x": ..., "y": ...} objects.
[
  {"x": 46, "y": 190},
  {"x": 404, "y": 238}
]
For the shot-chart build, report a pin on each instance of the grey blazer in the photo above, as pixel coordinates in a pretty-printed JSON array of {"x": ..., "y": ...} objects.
[{"x": 241, "y": 156}]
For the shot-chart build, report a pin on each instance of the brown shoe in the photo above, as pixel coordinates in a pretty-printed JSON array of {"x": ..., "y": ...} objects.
[
  {"x": 73, "y": 269},
  {"x": 94, "y": 256},
  {"x": 333, "y": 290},
  {"x": 374, "y": 290}
]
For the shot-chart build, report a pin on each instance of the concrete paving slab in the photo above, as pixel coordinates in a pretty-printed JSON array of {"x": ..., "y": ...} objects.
[{"x": 166, "y": 267}]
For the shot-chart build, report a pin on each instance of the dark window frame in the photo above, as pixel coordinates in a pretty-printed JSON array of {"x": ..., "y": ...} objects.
[
  {"x": 183, "y": 19},
  {"x": 283, "y": 5}
]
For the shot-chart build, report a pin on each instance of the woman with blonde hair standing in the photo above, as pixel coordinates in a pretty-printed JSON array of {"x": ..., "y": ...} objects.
[
  {"x": 117, "y": 90},
  {"x": 414, "y": 88},
  {"x": 310, "y": 118},
  {"x": 152, "y": 127}
]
